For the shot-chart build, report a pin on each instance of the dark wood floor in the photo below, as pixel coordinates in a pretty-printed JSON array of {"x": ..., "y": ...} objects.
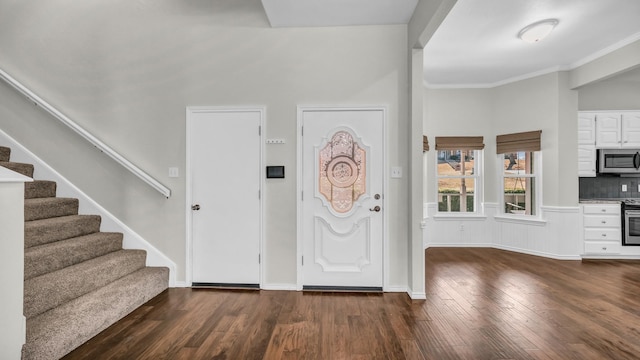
[{"x": 481, "y": 304}]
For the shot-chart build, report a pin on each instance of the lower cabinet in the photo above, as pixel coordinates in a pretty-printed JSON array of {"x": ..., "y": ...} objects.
[{"x": 602, "y": 229}]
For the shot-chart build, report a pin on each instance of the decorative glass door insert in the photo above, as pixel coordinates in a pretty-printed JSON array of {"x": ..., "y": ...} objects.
[{"x": 342, "y": 171}]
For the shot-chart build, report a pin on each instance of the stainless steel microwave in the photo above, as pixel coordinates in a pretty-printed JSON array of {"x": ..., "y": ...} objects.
[{"x": 619, "y": 161}]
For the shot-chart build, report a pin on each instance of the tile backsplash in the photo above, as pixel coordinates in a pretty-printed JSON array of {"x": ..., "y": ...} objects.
[{"x": 608, "y": 187}]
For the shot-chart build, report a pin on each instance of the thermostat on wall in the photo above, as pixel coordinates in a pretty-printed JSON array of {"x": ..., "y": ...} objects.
[{"x": 275, "y": 172}]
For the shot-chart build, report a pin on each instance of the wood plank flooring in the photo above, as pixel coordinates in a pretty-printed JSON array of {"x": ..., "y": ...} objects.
[{"x": 481, "y": 304}]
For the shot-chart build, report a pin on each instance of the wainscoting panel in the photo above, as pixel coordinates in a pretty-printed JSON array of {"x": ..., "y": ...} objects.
[{"x": 556, "y": 235}]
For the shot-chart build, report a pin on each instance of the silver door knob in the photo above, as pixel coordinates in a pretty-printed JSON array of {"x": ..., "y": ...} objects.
[
  {"x": 195, "y": 207},
  {"x": 375, "y": 208}
]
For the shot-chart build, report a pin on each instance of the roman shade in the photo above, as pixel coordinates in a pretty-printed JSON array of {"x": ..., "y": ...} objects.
[
  {"x": 425, "y": 143},
  {"x": 459, "y": 142},
  {"x": 524, "y": 141}
]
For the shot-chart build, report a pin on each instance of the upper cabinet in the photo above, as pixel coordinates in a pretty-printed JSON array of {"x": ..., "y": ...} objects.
[
  {"x": 586, "y": 128},
  {"x": 616, "y": 130}
]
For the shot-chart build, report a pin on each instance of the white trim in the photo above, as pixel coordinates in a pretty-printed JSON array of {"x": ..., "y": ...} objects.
[
  {"x": 454, "y": 216},
  {"x": 86, "y": 135},
  {"x": 111, "y": 223},
  {"x": 520, "y": 219},
  {"x": 397, "y": 288},
  {"x": 299, "y": 186},
  {"x": 537, "y": 253},
  {"x": 561, "y": 209},
  {"x": 188, "y": 182},
  {"x": 436, "y": 245},
  {"x": 611, "y": 257},
  {"x": 279, "y": 287},
  {"x": 417, "y": 295}
]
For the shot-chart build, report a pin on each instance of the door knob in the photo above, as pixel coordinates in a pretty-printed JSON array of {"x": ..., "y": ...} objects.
[
  {"x": 375, "y": 208},
  {"x": 195, "y": 207}
]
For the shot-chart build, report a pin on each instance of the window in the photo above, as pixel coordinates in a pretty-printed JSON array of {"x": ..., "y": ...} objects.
[
  {"x": 459, "y": 174},
  {"x": 520, "y": 160}
]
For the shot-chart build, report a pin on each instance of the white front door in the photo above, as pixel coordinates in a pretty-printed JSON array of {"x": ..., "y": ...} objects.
[
  {"x": 342, "y": 198},
  {"x": 224, "y": 151}
]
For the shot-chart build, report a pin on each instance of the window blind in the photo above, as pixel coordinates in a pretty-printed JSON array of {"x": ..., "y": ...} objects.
[
  {"x": 459, "y": 142},
  {"x": 425, "y": 143},
  {"x": 524, "y": 141}
]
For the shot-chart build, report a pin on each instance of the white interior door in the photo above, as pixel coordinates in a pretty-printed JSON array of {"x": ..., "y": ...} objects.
[
  {"x": 342, "y": 200},
  {"x": 225, "y": 173}
]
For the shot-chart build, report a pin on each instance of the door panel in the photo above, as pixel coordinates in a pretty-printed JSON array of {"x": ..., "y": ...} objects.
[
  {"x": 342, "y": 181},
  {"x": 225, "y": 170}
]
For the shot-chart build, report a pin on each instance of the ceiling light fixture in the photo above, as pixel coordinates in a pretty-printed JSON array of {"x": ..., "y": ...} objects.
[{"x": 538, "y": 30}]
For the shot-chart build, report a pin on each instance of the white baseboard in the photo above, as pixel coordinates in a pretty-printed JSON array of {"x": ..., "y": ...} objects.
[
  {"x": 110, "y": 223},
  {"x": 397, "y": 288},
  {"x": 537, "y": 253},
  {"x": 417, "y": 295},
  {"x": 286, "y": 287}
]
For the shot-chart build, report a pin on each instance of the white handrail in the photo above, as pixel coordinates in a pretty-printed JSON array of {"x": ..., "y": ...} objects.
[{"x": 82, "y": 132}]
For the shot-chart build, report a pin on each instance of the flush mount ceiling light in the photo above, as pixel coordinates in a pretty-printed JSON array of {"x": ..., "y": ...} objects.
[{"x": 538, "y": 30}]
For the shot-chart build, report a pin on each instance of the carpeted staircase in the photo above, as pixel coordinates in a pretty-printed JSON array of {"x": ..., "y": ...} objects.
[{"x": 77, "y": 280}]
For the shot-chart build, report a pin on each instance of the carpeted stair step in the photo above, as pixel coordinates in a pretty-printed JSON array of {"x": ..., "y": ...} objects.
[
  {"x": 39, "y": 260},
  {"x": 55, "y": 333},
  {"x": 5, "y": 153},
  {"x": 39, "y": 189},
  {"x": 44, "y": 208},
  {"x": 24, "y": 169},
  {"x": 38, "y": 232},
  {"x": 47, "y": 291}
]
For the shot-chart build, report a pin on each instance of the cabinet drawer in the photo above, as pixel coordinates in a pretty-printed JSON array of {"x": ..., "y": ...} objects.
[
  {"x": 611, "y": 209},
  {"x": 602, "y": 221},
  {"x": 601, "y": 247},
  {"x": 603, "y": 234}
]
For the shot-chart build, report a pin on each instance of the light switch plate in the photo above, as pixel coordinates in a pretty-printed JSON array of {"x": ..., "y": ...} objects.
[
  {"x": 396, "y": 172},
  {"x": 624, "y": 187},
  {"x": 276, "y": 141}
]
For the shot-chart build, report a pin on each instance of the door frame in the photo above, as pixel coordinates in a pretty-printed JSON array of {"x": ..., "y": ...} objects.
[
  {"x": 385, "y": 186},
  {"x": 188, "y": 182}
]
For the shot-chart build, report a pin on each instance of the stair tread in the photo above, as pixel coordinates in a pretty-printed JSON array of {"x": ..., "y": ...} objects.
[
  {"x": 39, "y": 189},
  {"x": 38, "y": 232},
  {"x": 47, "y": 291},
  {"x": 43, "y": 208},
  {"x": 22, "y": 168},
  {"x": 42, "y": 259},
  {"x": 53, "y": 334},
  {"x": 5, "y": 153}
]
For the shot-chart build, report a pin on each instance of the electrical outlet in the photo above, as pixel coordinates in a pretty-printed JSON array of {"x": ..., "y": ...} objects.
[
  {"x": 461, "y": 227},
  {"x": 396, "y": 172},
  {"x": 174, "y": 172},
  {"x": 624, "y": 187}
]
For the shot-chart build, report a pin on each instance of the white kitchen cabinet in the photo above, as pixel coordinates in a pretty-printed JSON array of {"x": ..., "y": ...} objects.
[
  {"x": 586, "y": 129},
  {"x": 602, "y": 229},
  {"x": 630, "y": 130},
  {"x": 615, "y": 130},
  {"x": 586, "y": 160}
]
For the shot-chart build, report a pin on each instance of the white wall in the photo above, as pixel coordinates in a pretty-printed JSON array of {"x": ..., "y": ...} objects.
[
  {"x": 620, "y": 92},
  {"x": 126, "y": 71}
]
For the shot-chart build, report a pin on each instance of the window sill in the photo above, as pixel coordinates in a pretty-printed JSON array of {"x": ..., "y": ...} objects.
[
  {"x": 521, "y": 219},
  {"x": 459, "y": 216}
]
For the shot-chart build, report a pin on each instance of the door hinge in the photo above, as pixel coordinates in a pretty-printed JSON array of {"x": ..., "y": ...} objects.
[
  {"x": 302, "y": 196},
  {"x": 303, "y": 260},
  {"x": 259, "y": 130},
  {"x": 302, "y": 131},
  {"x": 259, "y": 259},
  {"x": 259, "y": 195}
]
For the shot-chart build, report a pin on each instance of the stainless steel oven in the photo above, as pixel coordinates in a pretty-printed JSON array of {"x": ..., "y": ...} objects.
[{"x": 631, "y": 225}]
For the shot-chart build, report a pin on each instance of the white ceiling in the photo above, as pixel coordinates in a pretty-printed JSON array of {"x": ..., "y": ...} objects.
[{"x": 477, "y": 44}]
